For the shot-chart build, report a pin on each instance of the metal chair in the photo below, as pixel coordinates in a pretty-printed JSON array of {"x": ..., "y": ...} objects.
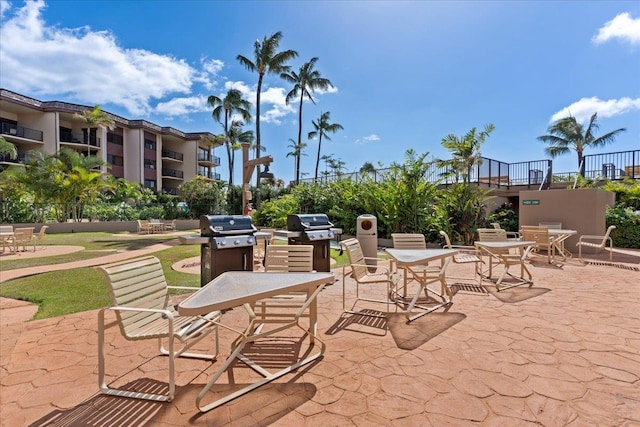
[
  {"x": 465, "y": 255},
  {"x": 365, "y": 275},
  {"x": 540, "y": 235},
  {"x": 144, "y": 310},
  {"x": 596, "y": 242}
]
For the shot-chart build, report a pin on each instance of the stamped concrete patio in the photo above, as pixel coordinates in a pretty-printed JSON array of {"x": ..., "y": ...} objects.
[{"x": 565, "y": 352}]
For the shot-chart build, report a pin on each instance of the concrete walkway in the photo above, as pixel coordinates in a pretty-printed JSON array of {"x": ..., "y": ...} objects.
[{"x": 565, "y": 352}]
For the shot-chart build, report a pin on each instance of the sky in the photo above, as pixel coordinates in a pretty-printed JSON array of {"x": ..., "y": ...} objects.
[{"x": 405, "y": 74}]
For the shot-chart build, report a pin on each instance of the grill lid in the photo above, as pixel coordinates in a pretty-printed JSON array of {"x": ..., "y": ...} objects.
[
  {"x": 307, "y": 222},
  {"x": 225, "y": 225}
]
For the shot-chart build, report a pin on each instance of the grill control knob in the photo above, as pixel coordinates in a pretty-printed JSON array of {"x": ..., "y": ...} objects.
[
  {"x": 222, "y": 243},
  {"x": 236, "y": 242}
]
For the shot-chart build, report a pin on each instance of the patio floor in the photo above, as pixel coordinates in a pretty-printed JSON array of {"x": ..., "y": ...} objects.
[{"x": 565, "y": 352}]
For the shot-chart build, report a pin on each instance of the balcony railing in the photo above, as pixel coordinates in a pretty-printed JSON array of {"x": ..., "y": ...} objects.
[
  {"x": 172, "y": 173},
  {"x": 612, "y": 166},
  {"x": 170, "y": 190},
  {"x": 208, "y": 158},
  {"x": 22, "y": 132},
  {"x": 210, "y": 175},
  {"x": 169, "y": 154}
]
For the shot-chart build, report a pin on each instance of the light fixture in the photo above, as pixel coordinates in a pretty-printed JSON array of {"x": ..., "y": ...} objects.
[{"x": 265, "y": 174}]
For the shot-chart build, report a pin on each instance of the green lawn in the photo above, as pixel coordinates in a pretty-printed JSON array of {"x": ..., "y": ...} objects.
[{"x": 71, "y": 291}]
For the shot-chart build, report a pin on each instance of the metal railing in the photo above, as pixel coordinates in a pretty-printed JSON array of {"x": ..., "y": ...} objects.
[
  {"x": 172, "y": 173},
  {"x": 612, "y": 166},
  {"x": 21, "y": 131},
  {"x": 170, "y": 154}
]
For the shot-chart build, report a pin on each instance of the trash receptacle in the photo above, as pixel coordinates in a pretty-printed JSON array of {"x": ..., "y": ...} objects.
[{"x": 367, "y": 235}]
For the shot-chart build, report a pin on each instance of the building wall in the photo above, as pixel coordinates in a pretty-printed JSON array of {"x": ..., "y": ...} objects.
[{"x": 583, "y": 210}]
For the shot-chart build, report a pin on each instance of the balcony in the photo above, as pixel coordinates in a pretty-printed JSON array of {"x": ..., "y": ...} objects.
[
  {"x": 172, "y": 173},
  {"x": 208, "y": 159},
  {"x": 172, "y": 155},
  {"x": 21, "y": 132},
  {"x": 170, "y": 190},
  {"x": 210, "y": 175}
]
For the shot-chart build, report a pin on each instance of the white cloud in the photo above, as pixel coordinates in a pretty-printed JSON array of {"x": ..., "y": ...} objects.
[
  {"x": 209, "y": 74},
  {"x": 182, "y": 106},
  {"x": 585, "y": 107},
  {"x": 623, "y": 27},
  {"x": 366, "y": 139},
  {"x": 89, "y": 65},
  {"x": 273, "y": 104}
]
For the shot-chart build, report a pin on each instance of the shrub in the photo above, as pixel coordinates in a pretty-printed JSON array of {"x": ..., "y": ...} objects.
[{"x": 627, "y": 222}]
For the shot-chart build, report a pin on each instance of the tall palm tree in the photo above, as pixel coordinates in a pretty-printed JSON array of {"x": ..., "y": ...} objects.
[
  {"x": 567, "y": 134},
  {"x": 236, "y": 136},
  {"x": 267, "y": 60},
  {"x": 296, "y": 153},
  {"x": 8, "y": 148},
  {"x": 232, "y": 103},
  {"x": 322, "y": 126},
  {"x": 465, "y": 151},
  {"x": 95, "y": 118},
  {"x": 305, "y": 82}
]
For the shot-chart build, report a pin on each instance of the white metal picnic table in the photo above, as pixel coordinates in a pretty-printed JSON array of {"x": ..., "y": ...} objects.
[{"x": 500, "y": 251}]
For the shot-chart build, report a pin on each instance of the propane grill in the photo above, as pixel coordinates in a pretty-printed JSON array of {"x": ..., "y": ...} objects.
[
  {"x": 315, "y": 230},
  {"x": 229, "y": 246}
]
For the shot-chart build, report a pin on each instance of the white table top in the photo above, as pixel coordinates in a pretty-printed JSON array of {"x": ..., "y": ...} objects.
[
  {"x": 508, "y": 244},
  {"x": 562, "y": 231},
  {"x": 419, "y": 256},
  {"x": 234, "y": 288}
]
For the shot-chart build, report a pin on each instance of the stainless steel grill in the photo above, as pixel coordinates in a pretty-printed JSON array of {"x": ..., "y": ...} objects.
[
  {"x": 229, "y": 246},
  {"x": 315, "y": 230}
]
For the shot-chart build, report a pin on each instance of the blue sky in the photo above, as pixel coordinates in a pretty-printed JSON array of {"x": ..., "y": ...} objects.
[{"x": 405, "y": 74}]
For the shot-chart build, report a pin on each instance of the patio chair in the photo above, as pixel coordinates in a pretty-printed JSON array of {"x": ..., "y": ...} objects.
[
  {"x": 144, "y": 310},
  {"x": 465, "y": 255},
  {"x": 596, "y": 242},
  {"x": 366, "y": 275},
  {"x": 283, "y": 309},
  {"x": 259, "y": 251},
  {"x": 39, "y": 237},
  {"x": 540, "y": 235},
  {"x": 510, "y": 234},
  {"x": 23, "y": 237},
  {"x": 170, "y": 225},
  {"x": 411, "y": 241},
  {"x": 144, "y": 226},
  {"x": 493, "y": 235}
]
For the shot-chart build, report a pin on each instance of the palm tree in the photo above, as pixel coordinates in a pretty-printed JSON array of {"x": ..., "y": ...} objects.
[
  {"x": 236, "y": 137},
  {"x": 465, "y": 151},
  {"x": 567, "y": 134},
  {"x": 322, "y": 126},
  {"x": 267, "y": 60},
  {"x": 296, "y": 153},
  {"x": 230, "y": 104},
  {"x": 305, "y": 82},
  {"x": 8, "y": 148},
  {"x": 95, "y": 118}
]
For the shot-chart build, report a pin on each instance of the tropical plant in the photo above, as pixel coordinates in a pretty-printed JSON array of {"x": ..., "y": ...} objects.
[
  {"x": 296, "y": 153},
  {"x": 322, "y": 127},
  {"x": 232, "y": 103},
  {"x": 236, "y": 137},
  {"x": 305, "y": 82},
  {"x": 203, "y": 197},
  {"x": 465, "y": 151},
  {"x": 567, "y": 134},
  {"x": 95, "y": 118},
  {"x": 8, "y": 148},
  {"x": 266, "y": 60}
]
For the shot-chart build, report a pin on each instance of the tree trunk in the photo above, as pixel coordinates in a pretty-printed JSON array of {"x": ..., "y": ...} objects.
[{"x": 318, "y": 158}]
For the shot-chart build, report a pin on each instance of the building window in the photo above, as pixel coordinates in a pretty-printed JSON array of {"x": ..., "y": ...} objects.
[
  {"x": 150, "y": 183},
  {"x": 149, "y": 144},
  {"x": 115, "y": 160},
  {"x": 149, "y": 164},
  {"x": 115, "y": 139}
]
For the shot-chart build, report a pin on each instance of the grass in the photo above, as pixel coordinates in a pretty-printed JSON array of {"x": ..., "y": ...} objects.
[{"x": 71, "y": 291}]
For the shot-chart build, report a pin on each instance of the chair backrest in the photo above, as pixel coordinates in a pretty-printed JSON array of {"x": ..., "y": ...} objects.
[
  {"x": 137, "y": 283},
  {"x": 356, "y": 258},
  {"x": 538, "y": 234},
  {"x": 551, "y": 224},
  {"x": 447, "y": 240},
  {"x": 23, "y": 234},
  {"x": 409, "y": 241},
  {"x": 491, "y": 235},
  {"x": 6, "y": 228},
  {"x": 496, "y": 225},
  {"x": 287, "y": 258},
  {"x": 42, "y": 231}
]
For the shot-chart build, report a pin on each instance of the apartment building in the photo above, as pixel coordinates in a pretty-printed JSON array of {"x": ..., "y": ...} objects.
[{"x": 160, "y": 158}]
